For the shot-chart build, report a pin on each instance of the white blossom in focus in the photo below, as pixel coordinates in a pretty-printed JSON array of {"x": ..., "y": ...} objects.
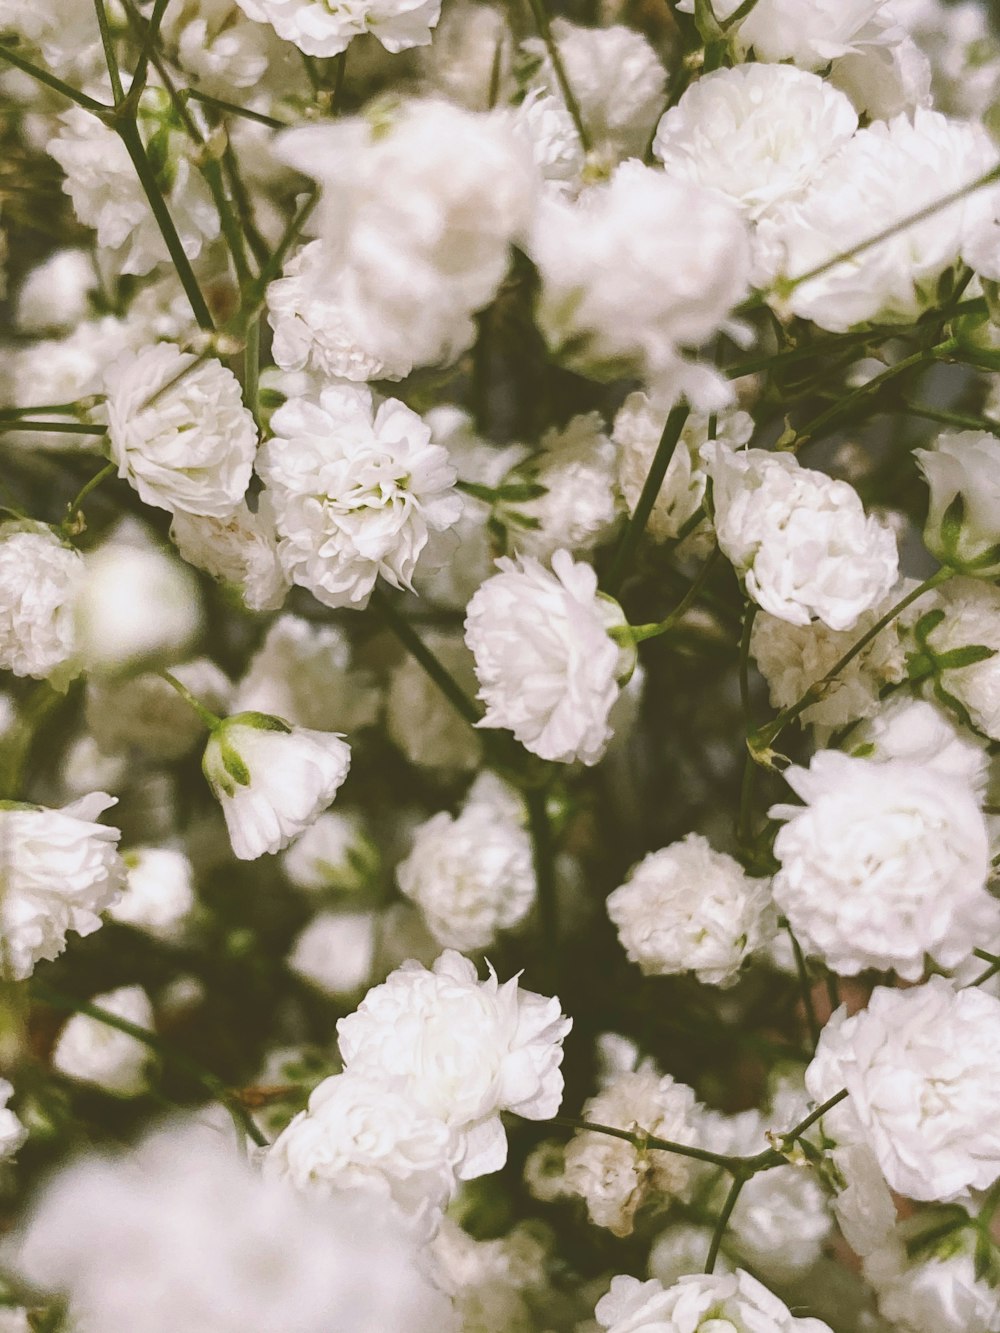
[
  {"x": 922, "y": 1070},
  {"x": 304, "y": 673},
  {"x": 547, "y": 667},
  {"x": 801, "y": 540},
  {"x": 239, "y": 548},
  {"x": 179, "y": 432},
  {"x": 59, "y": 869},
  {"x": 322, "y": 28},
  {"x": 336, "y": 951},
  {"x": 183, "y": 1214},
  {"x": 884, "y": 865},
  {"x": 792, "y": 658},
  {"x": 612, "y": 1177},
  {"x": 699, "y": 1303},
  {"x": 757, "y": 133},
  {"x": 881, "y": 176},
  {"x": 271, "y": 779},
  {"x": 971, "y": 619},
  {"x": 159, "y": 892},
  {"x": 107, "y": 194},
  {"x": 92, "y": 1052},
  {"x": 462, "y": 1049},
  {"x": 635, "y": 271},
  {"x": 366, "y": 1135},
  {"x": 356, "y": 490},
  {"x": 39, "y": 578},
  {"x": 637, "y": 429},
  {"x": 419, "y": 210},
  {"x": 689, "y": 908},
  {"x": 471, "y": 876},
  {"x": 963, "y": 523}
]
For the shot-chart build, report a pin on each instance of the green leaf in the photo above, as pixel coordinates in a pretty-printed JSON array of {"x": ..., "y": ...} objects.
[
  {"x": 963, "y": 657},
  {"x": 518, "y": 492},
  {"x": 709, "y": 28},
  {"x": 926, "y": 625}
]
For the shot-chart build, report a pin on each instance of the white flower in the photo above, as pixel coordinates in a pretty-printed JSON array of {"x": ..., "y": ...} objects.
[
  {"x": 781, "y": 1222},
  {"x": 315, "y": 327},
  {"x": 579, "y": 509},
  {"x": 689, "y": 908},
  {"x": 935, "y": 1290},
  {"x": 356, "y": 491},
  {"x": 681, "y": 1250},
  {"x": 327, "y": 27},
  {"x": 617, "y": 80},
  {"x": 637, "y": 430},
  {"x": 963, "y": 523},
  {"x": 547, "y": 667},
  {"x": 923, "y": 1075},
  {"x": 303, "y": 673},
  {"x": 699, "y": 1303},
  {"x": 863, "y": 1205},
  {"x": 923, "y": 734},
  {"x": 883, "y": 175},
  {"x": 801, "y": 540},
  {"x": 543, "y": 122},
  {"x": 39, "y": 578},
  {"x": 107, "y": 194},
  {"x": 272, "y": 779},
  {"x": 421, "y": 721},
  {"x": 146, "y": 713},
  {"x": 336, "y": 951},
  {"x": 333, "y": 853},
  {"x": 178, "y": 430},
  {"x": 137, "y": 605},
  {"x": 885, "y": 80},
  {"x": 971, "y": 619},
  {"x": 12, "y": 1132},
  {"x": 218, "y": 46},
  {"x": 159, "y": 892},
  {"x": 462, "y": 1049},
  {"x": 612, "y": 1177},
  {"x": 792, "y": 658},
  {"x": 635, "y": 271},
  {"x": 359, "y": 1133},
  {"x": 92, "y": 1052},
  {"x": 501, "y": 1283},
  {"x": 55, "y": 295},
  {"x": 240, "y": 548},
  {"x": 419, "y": 209},
  {"x": 183, "y": 1214},
  {"x": 810, "y": 33},
  {"x": 469, "y": 60},
  {"x": 885, "y": 864},
  {"x": 59, "y": 871},
  {"x": 471, "y": 876},
  {"x": 757, "y": 133}
]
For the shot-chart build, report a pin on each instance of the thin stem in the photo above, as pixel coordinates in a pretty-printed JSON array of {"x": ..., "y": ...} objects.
[
  {"x": 745, "y": 817},
  {"x": 735, "y": 1189},
  {"x": 340, "y": 74},
  {"x": 569, "y": 97},
  {"x": 643, "y": 1141},
  {"x": 651, "y": 488},
  {"x": 796, "y": 1133},
  {"x": 956, "y": 419},
  {"x": 765, "y": 736},
  {"x": 73, "y": 508},
  {"x": 50, "y": 81},
  {"x": 438, "y": 673},
  {"x": 805, "y": 986},
  {"x": 57, "y": 409},
  {"x": 843, "y": 407},
  {"x": 210, "y": 719},
  {"x": 110, "y": 56},
  {"x": 57, "y": 427},
  {"x": 251, "y": 371},
  {"x": 543, "y": 852},
  {"x": 129, "y": 135},
  {"x": 234, "y": 109},
  {"x": 148, "y": 42},
  {"x": 215, "y": 1086},
  {"x": 257, "y": 292},
  {"x": 738, "y": 15}
]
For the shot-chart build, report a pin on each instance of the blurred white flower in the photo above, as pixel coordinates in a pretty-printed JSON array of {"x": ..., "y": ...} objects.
[
  {"x": 159, "y": 892},
  {"x": 418, "y": 717},
  {"x": 356, "y": 490},
  {"x": 547, "y": 667},
  {"x": 334, "y": 853},
  {"x": 271, "y": 779},
  {"x": 336, "y": 951},
  {"x": 462, "y": 1049},
  {"x": 91, "y": 1051},
  {"x": 39, "y": 580},
  {"x": 146, "y": 713},
  {"x": 60, "y": 870}
]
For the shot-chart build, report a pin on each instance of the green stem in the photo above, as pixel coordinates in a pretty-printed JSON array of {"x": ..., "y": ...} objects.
[
  {"x": 738, "y": 15},
  {"x": 57, "y": 409},
  {"x": 57, "y": 427},
  {"x": 215, "y": 1086},
  {"x": 50, "y": 81},
  {"x": 438, "y": 673},
  {"x": 765, "y": 736},
  {"x": 110, "y": 57},
  {"x": 651, "y": 489},
  {"x": 73, "y": 508},
  {"x": 210, "y": 719},
  {"x": 234, "y": 109},
  {"x": 745, "y": 817},
  {"x": 129, "y": 134},
  {"x": 805, "y": 986},
  {"x": 642, "y": 1141},
  {"x": 251, "y": 371},
  {"x": 639, "y": 633},
  {"x": 256, "y": 294},
  {"x": 735, "y": 1189},
  {"x": 951, "y": 418},
  {"x": 844, "y": 406},
  {"x": 569, "y": 97},
  {"x": 148, "y": 43}
]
